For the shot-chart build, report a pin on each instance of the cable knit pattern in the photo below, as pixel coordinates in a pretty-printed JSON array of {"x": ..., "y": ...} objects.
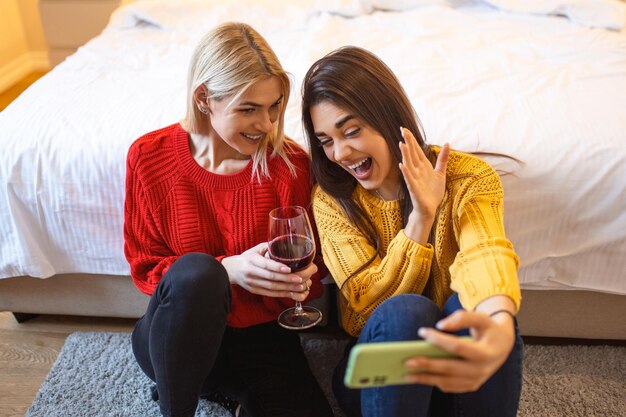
[
  {"x": 471, "y": 254},
  {"x": 174, "y": 206}
]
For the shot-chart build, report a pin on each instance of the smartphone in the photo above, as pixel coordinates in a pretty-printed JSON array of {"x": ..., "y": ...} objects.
[{"x": 380, "y": 364}]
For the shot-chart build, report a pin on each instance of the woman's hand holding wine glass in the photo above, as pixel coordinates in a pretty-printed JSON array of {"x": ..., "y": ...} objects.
[
  {"x": 258, "y": 274},
  {"x": 291, "y": 243}
]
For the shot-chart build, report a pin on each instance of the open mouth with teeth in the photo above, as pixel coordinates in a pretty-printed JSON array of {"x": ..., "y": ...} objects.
[
  {"x": 362, "y": 168},
  {"x": 252, "y": 138}
]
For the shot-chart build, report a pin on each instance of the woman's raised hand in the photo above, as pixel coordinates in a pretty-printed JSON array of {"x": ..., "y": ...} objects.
[
  {"x": 426, "y": 185},
  {"x": 258, "y": 274}
]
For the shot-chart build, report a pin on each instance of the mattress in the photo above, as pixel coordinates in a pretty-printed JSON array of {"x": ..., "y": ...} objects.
[{"x": 541, "y": 97}]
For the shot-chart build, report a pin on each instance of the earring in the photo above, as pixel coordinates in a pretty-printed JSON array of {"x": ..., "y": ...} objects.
[{"x": 203, "y": 110}]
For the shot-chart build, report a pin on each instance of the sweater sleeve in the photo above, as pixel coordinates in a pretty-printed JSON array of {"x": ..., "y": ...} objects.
[
  {"x": 146, "y": 252},
  {"x": 404, "y": 268},
  {"x": 486, "y": 264}
]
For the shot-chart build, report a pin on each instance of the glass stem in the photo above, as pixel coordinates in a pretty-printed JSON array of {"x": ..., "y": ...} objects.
[{"x": 298, "y": 309}]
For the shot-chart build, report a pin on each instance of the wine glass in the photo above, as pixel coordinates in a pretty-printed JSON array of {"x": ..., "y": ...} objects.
[{"x": 291, "y": 243}]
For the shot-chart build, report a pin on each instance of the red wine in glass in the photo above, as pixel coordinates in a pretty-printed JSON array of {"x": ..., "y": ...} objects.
[
  {"x": 291, "y": 243},
  {"x": 295, "y": 251}
]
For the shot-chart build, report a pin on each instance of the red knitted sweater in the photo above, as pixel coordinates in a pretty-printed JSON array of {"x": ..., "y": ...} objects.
[{"x": 174, "y": 206}]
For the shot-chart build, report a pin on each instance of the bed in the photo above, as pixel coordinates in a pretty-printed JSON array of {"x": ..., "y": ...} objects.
[{"x": 537, "y": 88}]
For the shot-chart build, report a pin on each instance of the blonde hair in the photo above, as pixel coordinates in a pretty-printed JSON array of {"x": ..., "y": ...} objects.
[{"x": 228, "y": 61}]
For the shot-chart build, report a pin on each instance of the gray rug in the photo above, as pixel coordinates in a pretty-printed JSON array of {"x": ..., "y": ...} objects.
[{"x": 96, "y": 375}]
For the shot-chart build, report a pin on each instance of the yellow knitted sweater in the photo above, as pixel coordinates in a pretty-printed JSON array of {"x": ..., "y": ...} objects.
[{"x": 472, "y": 255}]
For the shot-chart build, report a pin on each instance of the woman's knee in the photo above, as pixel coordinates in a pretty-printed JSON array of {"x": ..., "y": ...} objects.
[
  {"x": 452, "y": 304},
  {"x": 414, "y": 308},
  {"x": 399, "y": 318},
  {"x": 198, "y": 274}
]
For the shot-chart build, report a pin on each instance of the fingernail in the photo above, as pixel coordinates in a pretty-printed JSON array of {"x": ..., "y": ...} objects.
[
  {"x": 402, "y": 131},
  {"x": 422, "y": 332},
  {"x": 285, "y": 269},
  {"x": 440, "y": 324}
]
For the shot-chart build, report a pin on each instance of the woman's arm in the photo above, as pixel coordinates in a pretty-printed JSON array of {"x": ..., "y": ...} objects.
[
  {"x": 146, "y": 252},
  {"x": 484, "y": 275},
  {"x": 404, "y": 269},
  {"x": 486, "y": 264}
]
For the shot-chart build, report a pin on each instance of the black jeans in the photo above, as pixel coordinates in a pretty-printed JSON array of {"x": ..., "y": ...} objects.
[{"x": 184, "y": 345}]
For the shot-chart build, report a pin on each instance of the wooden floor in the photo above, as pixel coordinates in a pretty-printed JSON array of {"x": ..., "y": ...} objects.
[
  {"x": 28, "y": 350},
  {"x": 6, "y": 97}
]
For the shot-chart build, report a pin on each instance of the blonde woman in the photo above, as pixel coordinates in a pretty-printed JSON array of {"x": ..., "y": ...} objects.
[{"x": 198, "y": 197}]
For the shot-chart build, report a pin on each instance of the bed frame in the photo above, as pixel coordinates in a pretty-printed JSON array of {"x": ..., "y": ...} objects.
[{"x": 544, "y": 313}]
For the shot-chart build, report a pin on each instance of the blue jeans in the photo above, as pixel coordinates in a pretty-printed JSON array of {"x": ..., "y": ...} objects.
[{"x": 399, "y": 318}]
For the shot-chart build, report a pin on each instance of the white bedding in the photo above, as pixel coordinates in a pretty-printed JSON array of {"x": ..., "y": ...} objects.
[{"x": 542, "y": 89}]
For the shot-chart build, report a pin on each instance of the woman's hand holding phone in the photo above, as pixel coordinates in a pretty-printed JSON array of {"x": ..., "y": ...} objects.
[{"x": 478, "y": 359}]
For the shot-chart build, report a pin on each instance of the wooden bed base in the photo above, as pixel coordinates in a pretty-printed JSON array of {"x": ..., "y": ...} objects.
[{"x": 544, "y": 313}]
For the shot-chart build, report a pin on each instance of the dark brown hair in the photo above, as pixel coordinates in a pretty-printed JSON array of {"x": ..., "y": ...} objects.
[{"x": 359, "y": 82}]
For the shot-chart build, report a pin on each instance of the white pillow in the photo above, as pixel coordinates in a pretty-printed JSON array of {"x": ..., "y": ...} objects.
[
  {"x": 401, "y": 5},
  {"x": 610, "y": 14},
  {"x": 345, "y": 8}
]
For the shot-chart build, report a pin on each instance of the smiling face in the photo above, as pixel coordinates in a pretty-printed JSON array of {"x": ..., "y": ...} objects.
[
  {"x": 356, "y": 147},
  {"x": 244, "y": 123}
]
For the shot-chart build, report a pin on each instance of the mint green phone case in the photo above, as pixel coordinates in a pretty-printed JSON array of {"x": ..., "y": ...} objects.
[{"x": 380, "y": 364}]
